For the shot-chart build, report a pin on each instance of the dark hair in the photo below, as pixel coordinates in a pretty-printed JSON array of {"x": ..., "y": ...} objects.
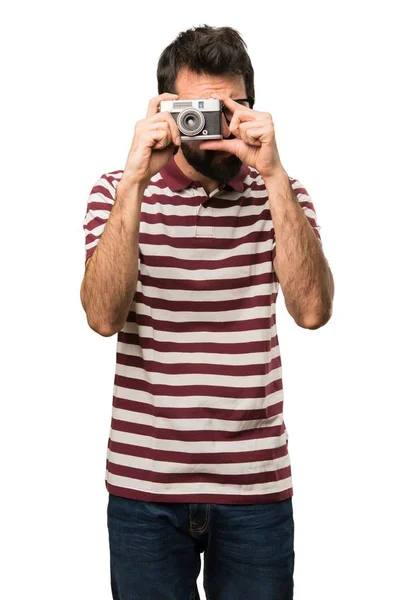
[{"x": 205, "y": 49}]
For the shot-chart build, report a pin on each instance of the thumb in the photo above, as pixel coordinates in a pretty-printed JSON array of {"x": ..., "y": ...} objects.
[{"x": 225, "y": 145}]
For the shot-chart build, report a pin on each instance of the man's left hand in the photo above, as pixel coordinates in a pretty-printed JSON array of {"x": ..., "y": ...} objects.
[{"x": 255, "y": 144}]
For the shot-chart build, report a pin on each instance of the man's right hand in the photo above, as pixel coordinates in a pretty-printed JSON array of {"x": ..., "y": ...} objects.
[{"x": 153, "y": 143}]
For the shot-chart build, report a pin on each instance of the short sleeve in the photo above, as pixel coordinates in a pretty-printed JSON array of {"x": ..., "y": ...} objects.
[
  {"x": 99, "y": 204},
  {"x": 308, "y": 207}
]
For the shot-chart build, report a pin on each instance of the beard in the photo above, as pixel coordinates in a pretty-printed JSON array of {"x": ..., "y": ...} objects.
[{"x": 210, "y": 163}]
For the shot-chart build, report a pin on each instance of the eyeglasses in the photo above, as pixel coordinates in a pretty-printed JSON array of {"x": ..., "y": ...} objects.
[{"x": 247, "y": 102}]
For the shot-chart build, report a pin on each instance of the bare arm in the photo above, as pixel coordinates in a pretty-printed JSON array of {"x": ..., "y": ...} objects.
[
  {"x": 300, "y": 264},
  {"x": 111, "y": 274},
  {"x": 110, "y": 278}
]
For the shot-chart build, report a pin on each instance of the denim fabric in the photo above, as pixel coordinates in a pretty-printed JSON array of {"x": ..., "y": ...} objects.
[{"x": 155, "y": 550}]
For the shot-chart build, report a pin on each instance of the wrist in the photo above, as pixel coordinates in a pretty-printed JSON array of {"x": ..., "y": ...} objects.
[
  {"x": 133, "y": 177},
  {"x": 128, "y": 188},
  {"x": 277, "y": 177}
]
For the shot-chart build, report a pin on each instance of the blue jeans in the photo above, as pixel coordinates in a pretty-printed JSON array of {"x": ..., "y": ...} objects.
[{"x": 155, "y": 550}]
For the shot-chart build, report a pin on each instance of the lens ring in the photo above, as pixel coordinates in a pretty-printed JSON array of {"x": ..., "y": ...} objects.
[{"x": 197, "y": 114}]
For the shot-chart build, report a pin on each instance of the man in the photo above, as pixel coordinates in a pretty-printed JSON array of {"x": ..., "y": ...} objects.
[{"x": 186, "y": 248}]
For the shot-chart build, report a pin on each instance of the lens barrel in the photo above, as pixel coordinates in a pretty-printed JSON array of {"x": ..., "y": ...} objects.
[{"x": 190, "y": 121}]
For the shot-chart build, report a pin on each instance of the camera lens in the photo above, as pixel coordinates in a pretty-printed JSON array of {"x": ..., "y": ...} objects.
[{"x": 191, "y": 121}]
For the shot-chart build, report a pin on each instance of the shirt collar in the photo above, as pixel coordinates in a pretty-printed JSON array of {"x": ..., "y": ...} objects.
[{"x": 176, "y": 180}]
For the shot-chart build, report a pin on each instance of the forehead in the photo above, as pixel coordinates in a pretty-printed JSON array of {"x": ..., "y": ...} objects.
[{"x": 195, "y": 85}]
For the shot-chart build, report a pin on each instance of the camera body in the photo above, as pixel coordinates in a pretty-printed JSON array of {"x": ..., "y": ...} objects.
[{"x": 196, "y": 119}]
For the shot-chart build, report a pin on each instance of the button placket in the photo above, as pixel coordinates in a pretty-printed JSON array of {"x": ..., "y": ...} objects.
[{"x": 200, "y": 212}]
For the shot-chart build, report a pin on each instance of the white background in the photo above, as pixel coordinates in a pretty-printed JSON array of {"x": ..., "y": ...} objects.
[{"x": 76, "y": 77}]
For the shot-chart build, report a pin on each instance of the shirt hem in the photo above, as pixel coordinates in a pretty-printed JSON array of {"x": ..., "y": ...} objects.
[{"x": 135, "y": 494}]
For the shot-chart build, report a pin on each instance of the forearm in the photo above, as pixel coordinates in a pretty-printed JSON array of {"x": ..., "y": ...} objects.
[
  {"x": 110, "y": 280},
  {"x": 304, "y": 273}
]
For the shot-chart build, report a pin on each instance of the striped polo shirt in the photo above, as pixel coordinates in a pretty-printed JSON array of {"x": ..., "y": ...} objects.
[{"x": 197, "y": 407}]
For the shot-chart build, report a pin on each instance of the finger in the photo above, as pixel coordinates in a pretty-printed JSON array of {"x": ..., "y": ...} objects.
[
  {"x": 164, "y": 140},
  {"x": 252, "y": 136},
  {"x": 155, "y": 102},
  {"x": 160, "y": 125},
  {"x": 229, "y": 103},
  {"x": 166, "y": 116},
  {"x": 163, "y": 127},
  {"x": 251, "y": 131},
  {"x": 224, "y": 145},
  {"x": 241, "y": 116},
  {"x": 157, "y": 139}
]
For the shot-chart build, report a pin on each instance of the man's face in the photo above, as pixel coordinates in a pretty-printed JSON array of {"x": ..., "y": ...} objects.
[{"x": 217, "y": 165}]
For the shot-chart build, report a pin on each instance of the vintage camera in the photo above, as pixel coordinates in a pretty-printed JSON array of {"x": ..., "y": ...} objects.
[{"x": 196, "y": 119}]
